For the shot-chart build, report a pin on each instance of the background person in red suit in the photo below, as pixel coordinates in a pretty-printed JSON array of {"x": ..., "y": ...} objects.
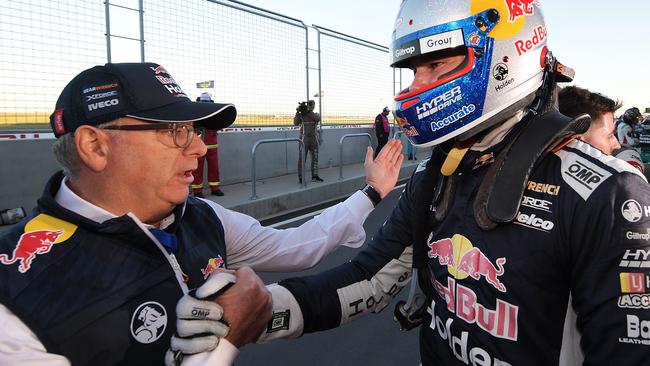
[{"x": 212, "y": 157}]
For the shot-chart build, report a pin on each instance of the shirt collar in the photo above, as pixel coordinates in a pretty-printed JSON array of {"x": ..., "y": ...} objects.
[{"x": 72, "y": 202}]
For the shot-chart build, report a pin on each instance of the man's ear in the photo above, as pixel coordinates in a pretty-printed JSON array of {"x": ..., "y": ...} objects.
[{"x": 92, "y": 147}]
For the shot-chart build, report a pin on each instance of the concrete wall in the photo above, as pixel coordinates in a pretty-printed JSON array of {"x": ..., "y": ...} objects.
[{"x": 25, "y": 165}]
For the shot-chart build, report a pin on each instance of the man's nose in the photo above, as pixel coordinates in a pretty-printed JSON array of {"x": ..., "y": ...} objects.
[
  {"x": 197, "y": 146},
  {"x": 421, "y": 79}
]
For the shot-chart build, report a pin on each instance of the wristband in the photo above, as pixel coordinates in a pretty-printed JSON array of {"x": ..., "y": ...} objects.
[{"x": 374, "y": 196}]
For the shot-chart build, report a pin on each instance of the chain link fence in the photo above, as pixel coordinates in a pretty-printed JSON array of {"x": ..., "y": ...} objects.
[{"x": 261, "y": 61}]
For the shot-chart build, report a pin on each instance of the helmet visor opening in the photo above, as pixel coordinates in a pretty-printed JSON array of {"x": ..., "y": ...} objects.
[{"x": 462, "y": 69}]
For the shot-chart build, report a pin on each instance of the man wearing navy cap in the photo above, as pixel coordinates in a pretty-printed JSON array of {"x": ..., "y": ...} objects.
[{"x": 94, "y": 274}]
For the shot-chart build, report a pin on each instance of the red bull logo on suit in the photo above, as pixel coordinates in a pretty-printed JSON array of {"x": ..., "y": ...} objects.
[
  {"x": 463, "y": 260},
  {"x": 40, "y": 234}
]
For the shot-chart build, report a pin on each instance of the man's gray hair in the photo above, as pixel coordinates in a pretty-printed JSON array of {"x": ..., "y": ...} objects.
[{"x": 65, "y": 152}]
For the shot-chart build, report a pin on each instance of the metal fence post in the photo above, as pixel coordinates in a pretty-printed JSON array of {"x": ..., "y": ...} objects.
[
  {"x": 254, "y": 165},
  {"x": 341, "y": 149}
]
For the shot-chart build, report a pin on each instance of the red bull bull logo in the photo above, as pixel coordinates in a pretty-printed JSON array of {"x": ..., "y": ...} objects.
[
  {"x": 464, "y": 260},
  {"x": 29, "y": 245},
  {"x": 159, "y": 70},
  {"x": 213, "y": 264},
  {"x": 520, "y": 8}
]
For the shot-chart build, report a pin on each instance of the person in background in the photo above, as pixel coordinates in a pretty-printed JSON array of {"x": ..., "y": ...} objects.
[
  {"x": 632, "y": 157},
  {"x": 95, "y": 273},
  {"x": 575, "y": 101},
  {"x": 627, "y": 128},
  {"x": 382, "y": 129},
  {"x": 308, "y": 120},
  {"x": 211, "y": 157}
]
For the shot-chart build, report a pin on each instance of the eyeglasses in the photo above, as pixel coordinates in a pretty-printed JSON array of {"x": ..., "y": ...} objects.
[{"x": 180, "y": 134}]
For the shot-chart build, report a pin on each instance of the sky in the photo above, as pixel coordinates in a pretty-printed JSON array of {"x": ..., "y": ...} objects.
[{"x": 606, "y": 43}]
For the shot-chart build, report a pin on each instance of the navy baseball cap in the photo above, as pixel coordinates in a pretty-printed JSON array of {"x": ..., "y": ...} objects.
[{"x": 145, "y": 91}]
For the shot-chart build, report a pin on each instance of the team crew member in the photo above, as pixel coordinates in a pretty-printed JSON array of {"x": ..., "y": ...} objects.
[
  {"x": 512, "y": 224},
  {"x": 212, "y": 158},
  {"x": 575, "y": 101},
  {"x": 308, "y": 121},
  {"x": 626, "y": 131},
  {"x": 94, "y": 275},
  {"x": 382, "y": 129}
]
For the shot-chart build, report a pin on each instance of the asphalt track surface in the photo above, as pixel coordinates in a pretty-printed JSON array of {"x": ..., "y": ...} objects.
[{"x": 372, "y": 340}]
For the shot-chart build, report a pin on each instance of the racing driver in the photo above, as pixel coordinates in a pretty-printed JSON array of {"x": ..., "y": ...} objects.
[{"x": 529, "y": 246}]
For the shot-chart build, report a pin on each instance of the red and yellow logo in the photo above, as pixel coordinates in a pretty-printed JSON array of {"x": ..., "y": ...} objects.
[{"x": 41, "y": 233}]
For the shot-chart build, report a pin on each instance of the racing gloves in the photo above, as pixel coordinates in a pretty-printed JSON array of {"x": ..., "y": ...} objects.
[{"x": 198, "y": 319}]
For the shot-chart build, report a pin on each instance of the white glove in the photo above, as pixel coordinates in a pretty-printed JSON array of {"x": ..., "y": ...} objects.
[{"x": 198, "y": 320}]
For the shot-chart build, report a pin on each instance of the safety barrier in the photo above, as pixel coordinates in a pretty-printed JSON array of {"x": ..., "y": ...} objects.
[
  {"x": 341, "y": 149},
  {"x": 266, "y": 141}
]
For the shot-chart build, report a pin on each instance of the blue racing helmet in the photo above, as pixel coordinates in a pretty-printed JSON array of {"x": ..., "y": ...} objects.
[{"x": 504, "y": 42}]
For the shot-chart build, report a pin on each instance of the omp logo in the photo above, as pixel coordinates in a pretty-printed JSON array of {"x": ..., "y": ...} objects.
[
  {"x": 634, "y": 301},
  {"x": 404, "y": 51},
  {"x": 200, "y": 313},
  {"x": 636, "y": 258},
  {"x": 638, "y": 331},
  {"x": 583, "y": 175},
  {"x": 103, "y": 104},
  {"x": 536, "y": 203}
]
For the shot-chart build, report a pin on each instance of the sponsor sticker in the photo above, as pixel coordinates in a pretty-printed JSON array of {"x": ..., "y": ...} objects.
[
  {"x": 546, "y": 188},
  {"x": 537, "y": 204},
  {"x": 483, "y": 160},
  {"x": 460, "y": 346},
  {"x": 148, "y": 322},
  {"x": 463, "y": 112},
  {"x": 439, "y": 102},
  {"x": 103, "y": 100},
  {"x": 500, "y": 73},
  {"x": 40, "y": 235},
  {"x": 636, "y": 258},
  {"x": 634, "y": 301},
  {"x": 442, "y": 41},
  {"x": 96, "y": 96},
  {"x": 531, "y": 221},
  {"x": 537, "y": 39},
  {"x": 637, "y": 332},
  {"x": 631, "y": 211},
  {"x": 520, "y": 8},
  {"x": 582, "y": 175},
  {"x": 634, "y": 283},
  {"x": 464, "y": 260},
  {"x": 213, "y": 264}
]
